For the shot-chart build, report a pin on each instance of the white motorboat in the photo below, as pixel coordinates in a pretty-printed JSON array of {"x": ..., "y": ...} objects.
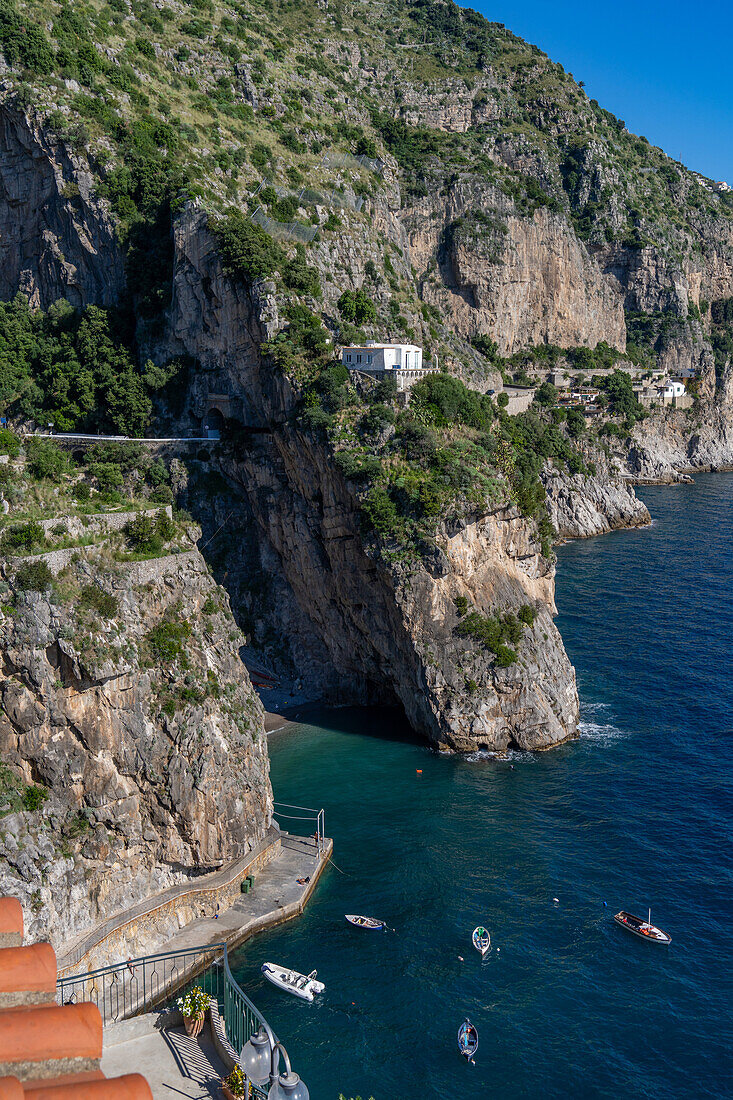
[{"x": 304, "y": 986}]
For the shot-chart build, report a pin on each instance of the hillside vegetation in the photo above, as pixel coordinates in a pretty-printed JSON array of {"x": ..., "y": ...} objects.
[{"x": 311, "y": 117}]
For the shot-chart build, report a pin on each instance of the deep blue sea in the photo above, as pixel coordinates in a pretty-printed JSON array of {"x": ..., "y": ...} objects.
[{"x": 636, "y": 813}]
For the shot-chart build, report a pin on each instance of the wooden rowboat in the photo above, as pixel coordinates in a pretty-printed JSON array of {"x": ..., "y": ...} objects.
[{"x": 366, "y": 922}]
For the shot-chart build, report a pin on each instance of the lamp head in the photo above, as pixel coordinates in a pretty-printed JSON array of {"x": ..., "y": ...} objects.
[
  {"x": 255, "y": 1057},
  {"x": 289, "y": 1087}
]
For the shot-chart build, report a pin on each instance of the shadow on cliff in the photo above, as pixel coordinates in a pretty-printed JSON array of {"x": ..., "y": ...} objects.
[{"x": 382, "y": 723}]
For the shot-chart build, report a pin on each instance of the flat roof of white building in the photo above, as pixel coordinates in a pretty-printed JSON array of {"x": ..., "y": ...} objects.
[{"x": 370, "y": 345}]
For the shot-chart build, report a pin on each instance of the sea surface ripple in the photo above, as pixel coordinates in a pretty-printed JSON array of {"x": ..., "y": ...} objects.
[{"x": 638, "y": 812}]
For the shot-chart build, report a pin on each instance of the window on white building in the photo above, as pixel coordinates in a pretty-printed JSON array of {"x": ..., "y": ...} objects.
[
  {"x": 369, "y": 358},
  {"x": 358, "y": 359},
  {"x": 348, "y": 358}
]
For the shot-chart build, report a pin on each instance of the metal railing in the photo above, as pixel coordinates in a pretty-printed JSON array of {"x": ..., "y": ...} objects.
[
  {"x": 316, "y": 819},
  {"x": 129, "y": 988}
]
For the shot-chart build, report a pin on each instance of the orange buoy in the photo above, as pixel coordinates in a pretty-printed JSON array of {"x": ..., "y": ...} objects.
[{"x": 419, "y": 771}]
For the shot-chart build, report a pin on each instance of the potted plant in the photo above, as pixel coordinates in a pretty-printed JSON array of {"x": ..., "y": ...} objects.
[
  {"x": 235, "y": 1086},
  {"x": 193, "y": 1006}
]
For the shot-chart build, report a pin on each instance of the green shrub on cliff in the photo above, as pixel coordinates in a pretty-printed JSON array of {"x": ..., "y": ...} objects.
[
  {"x": 493, "y": 634},
  {"x": 34, "y": 576},
  {"x": 23, "y": 537},
  {"x": 166, "y": 643},
  {"x": 247, "y": 251},
  {"x": 69, "y": 369},
  {"x": 23, "y": 40},
  {"x": 45, "y": 460},
  {"x": 9, "y": 443},
  {"x": 97, "y": 599},
  {"x": 356, "y": 307}
]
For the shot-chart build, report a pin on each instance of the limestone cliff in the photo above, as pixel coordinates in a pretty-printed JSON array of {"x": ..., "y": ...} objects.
[
  {"x": 386, "y": 630},
  {"x": 57, "y": 239},
  {"x": 582, "y": 505},
  {"x": 139, "y": 723}
]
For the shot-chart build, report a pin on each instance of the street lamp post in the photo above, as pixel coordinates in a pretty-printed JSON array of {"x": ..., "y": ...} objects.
[
  {"x": 288, "y": 1085},
  {"x": 260, "y": 1062},
  {"x": 256, "y": 1057}
]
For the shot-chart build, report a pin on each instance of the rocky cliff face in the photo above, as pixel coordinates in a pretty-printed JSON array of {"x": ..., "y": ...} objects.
[
  {"x": 57, "y": 239},
  {"x": 581, "y": 505},
  {"x": 144, "y": 729},
  {"x": 521, "y": 280},
  {"x": 386, "y": 632}
]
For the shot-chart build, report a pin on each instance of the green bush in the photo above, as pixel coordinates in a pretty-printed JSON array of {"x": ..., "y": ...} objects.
[
  {"x": 143, "y": 535},
  {"x": 445, "y": 400},
  {"x": 299, "y": 276},
  {"x": 94, "y": 597},
  {"x": 376, "y": 419},
  {"x": 493, "y": 634},
  {"x": 81, "y": 491},
  {"x": 23, "y": 40},
  {"x": 108, "y": 474},
  {"x": 461, "y": 603},
  {"x": 576, "y": 423},
  {"x": 247, "y": 251},
  {"x": 24, "y": 536},
  {"x": 622, "y": 399},
  {"x": 70, "y": 369},
  {"x": 357, "y": 307},
  {"x": 165, "y": 643},
  {"x": 317, "y": 421},
  {"x": 380, "y": 512},
  {"x": 546, "y": 394},
  {"x": 45, "y": 460},
  {"x": 34, "y": 797},
  {"x": 34, "y": 576},
  {"x": 9, "y": 443},
  {"x": 165, "y": 526},
  {"x": 527, "y": 614}
]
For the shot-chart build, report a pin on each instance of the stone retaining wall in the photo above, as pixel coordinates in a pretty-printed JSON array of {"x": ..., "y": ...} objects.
[
  {"x": 129, "y": 935},
  {"x": 100, "y": 522}
]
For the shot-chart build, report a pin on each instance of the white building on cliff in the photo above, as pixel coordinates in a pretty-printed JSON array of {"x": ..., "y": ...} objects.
[{"x": 402, "y": 361}]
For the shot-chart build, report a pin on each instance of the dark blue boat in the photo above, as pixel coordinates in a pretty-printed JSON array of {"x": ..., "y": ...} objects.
[{"x": 467, "y": 1040}]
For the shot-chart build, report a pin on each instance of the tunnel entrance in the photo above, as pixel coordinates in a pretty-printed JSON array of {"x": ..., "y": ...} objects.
[{"x": 213, "y": 426}]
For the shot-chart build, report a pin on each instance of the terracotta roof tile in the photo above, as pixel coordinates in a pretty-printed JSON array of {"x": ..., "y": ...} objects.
[
  {"x": 45, "y": 1034},
  {"x": 11, "y": 922},
  {"x": 132, "y": 1086},
  {"x": 54, "y": 1050},
  {"x": 11, "y": 1089},
  {"x": 27, "y": 975}
]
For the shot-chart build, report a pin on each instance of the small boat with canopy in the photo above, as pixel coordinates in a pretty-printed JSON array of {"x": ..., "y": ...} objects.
[
  {"x": 467, "y": 1040},
  {"x": 642, "y": 928},
  {"x": 481, "y": 940}
]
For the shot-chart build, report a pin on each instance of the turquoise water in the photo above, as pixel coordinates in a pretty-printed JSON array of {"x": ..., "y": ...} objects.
[{"x": 636, "y": 813}]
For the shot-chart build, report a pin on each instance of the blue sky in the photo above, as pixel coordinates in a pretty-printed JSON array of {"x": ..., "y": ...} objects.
[{"x": 665, "y": 68}]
